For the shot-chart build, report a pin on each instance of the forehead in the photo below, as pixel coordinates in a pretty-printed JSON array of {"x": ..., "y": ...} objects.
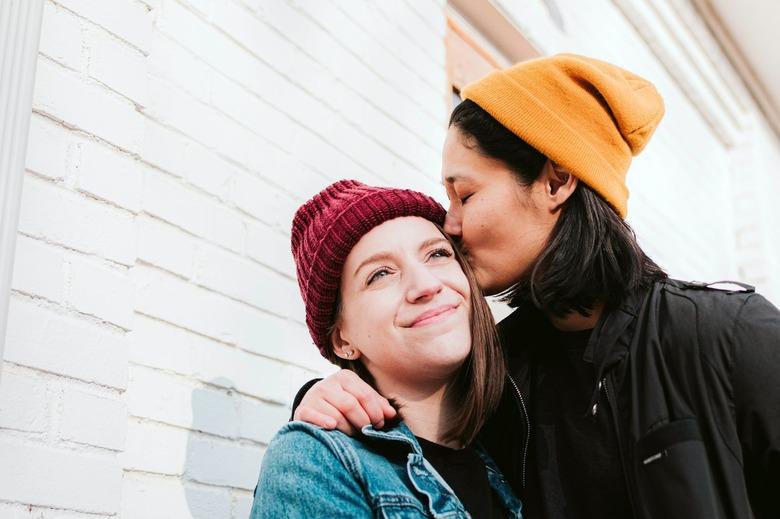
[
  {"x": 461, "y": 161},
  {"x": 392, "y": 235}
]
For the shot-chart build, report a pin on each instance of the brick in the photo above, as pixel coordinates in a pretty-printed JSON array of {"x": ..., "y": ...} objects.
[
  {"x": 101, "y": 290},
  {"x": 228, "y": 227},
  {"x": 165, "y": 246},
  {"x": 156, "y": 448},
  {"x": 221, "y": 463},
  {"x": 170, "y": 400},
  {"x": 198, "y": 121},
  {"x": 165, "y": 148},
  {"x": 39, "y": 269},
  {"x": 242, "y": 504},
  {"x": 24, "y": 402},
  {"x": 400, "y": 80},
  {"x": 183, "y": 157},
  {"x": 92, "y": 419},
  {"x": 426, "y": 40},
  {"x": 270, "y": 247},
  {"x": 244, "y": 280},
  {"x": 154, "y": 497},
  {"x": 214, "y": 412},
  {"x": 254, "y": 196},
  {"x": 339, "y": 58},
  {"x": 127, "y": 19},
  {"x": 285, "y": 340},
  {"x": 174, "y": 107},
  {"x": 108, "y": 174},
  {"x": 268, "y": 379},
  {"x": 21, "y": 511},
  {"x": 48, "y": 147},
  {"x": 171, "y": 200},
  {"x": 43, "y": 338},
  {"x": 157, "y": 344},
  {"x": 48, "y": 211},
  {"x": 62, "y": 37},
  {"x": 159, "y": 397},
  {"x": 260, "y": 421},
  {"x": 46, "y": 476},
  {"x": 105, "y": 52},
  {"x": 60, "y": 154},
  {"x": 207, "y": 503},
  {"x": 87, "y": 105},
  {"x": 197, "y": 309}
]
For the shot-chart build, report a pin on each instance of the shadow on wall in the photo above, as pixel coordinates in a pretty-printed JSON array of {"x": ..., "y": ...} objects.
[{"x": 221, "y": 468}]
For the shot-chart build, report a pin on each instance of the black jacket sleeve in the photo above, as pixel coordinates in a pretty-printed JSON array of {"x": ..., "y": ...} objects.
[
  {"x": 756, "y": 379},
  {"x": 300, "y": 394}
]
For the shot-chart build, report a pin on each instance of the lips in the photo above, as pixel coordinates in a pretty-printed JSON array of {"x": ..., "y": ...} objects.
[{"x": 431, "y": 316}]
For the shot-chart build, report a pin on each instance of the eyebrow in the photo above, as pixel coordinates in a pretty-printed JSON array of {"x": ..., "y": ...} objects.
[{"x": 380, "y": 256}]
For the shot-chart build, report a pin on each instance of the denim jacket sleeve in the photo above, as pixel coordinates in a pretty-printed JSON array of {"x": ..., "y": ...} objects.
[{"x": 305, "y": 474}]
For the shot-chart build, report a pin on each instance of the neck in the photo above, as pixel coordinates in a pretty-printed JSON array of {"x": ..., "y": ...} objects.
[
  {"x": 426, "y": 411},
  {"x": 575, "y": 321}
]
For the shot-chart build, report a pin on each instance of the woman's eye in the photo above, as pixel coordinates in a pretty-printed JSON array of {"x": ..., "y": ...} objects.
[
  {"x": 463, "y": 199},
  {"x": 378, "y": 274},
  {"x": 440, "y": 253}
]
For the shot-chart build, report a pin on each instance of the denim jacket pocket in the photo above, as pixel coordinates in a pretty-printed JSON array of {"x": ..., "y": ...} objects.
[{"x": 388, "y": 505}]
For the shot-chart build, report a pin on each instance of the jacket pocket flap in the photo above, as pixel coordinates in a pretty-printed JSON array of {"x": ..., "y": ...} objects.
[{"x": 674, "y": 432}]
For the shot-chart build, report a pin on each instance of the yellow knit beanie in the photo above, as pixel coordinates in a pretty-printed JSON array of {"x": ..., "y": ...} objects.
[{"x": 586, "y": 115}]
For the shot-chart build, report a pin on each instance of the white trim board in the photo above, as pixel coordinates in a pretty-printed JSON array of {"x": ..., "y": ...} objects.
[{"x": 20, "y": 28}]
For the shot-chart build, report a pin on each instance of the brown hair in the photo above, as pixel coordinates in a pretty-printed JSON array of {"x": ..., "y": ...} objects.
[{"x": 478, "y": 383}]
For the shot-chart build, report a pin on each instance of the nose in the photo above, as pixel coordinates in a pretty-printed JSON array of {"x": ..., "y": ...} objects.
[
  {"x": 423, "y": 284},
  {"x": 452, "y": 222}
]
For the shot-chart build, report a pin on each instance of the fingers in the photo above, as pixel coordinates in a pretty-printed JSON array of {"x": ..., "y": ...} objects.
[
  {"x": 342, "y": 424},
  {"x": 345, "y": 402},
  {"x": 348, "y": 406},
  {"x": 388, "y": 410},
  {"x": 374, "y": 405},
  {"x": 314, "y": 417}
]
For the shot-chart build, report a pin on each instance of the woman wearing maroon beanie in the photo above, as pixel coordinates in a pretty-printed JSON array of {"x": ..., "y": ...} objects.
[{"x": 390, "y": 298}]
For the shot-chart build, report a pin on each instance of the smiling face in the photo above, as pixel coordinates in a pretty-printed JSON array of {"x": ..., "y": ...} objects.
[
  {"x": 502, "y": 225},
  {"x": 404, "y": 305}
]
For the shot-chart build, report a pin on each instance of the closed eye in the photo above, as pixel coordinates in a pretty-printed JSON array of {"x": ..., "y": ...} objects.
[{"x": 463, "y": 200}]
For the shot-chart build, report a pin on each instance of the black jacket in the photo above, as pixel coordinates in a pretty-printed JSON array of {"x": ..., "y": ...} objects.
[{"x": 692, "y": 377}]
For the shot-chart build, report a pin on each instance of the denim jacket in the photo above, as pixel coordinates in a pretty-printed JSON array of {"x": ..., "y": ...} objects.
[{"x": 311, "y": 472}]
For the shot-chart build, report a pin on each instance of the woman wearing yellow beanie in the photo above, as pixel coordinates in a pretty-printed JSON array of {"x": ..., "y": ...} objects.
[{"x": 630, "y": 394}]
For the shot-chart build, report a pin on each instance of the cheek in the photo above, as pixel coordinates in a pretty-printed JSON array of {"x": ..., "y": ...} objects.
[{"x": 367, "y": 318}]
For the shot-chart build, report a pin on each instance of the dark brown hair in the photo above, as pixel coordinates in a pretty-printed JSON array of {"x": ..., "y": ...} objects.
[
  {"x": 591, "y": 255},
  {"x": 478, "y": 383}
]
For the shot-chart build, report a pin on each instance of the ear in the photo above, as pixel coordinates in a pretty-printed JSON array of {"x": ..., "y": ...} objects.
[
  {"x": 341, "y": 345},
  {"x": 559, "y": 184}
]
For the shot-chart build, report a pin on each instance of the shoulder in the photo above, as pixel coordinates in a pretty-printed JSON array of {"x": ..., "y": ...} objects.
[
  {"x": 722, "y": 313},
  {"x": 298, "y": 442},
  {"x": 710, "y": 306}
]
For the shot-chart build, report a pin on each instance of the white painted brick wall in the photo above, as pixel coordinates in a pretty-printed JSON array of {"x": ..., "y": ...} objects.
[{"x": 155, "y": 334}]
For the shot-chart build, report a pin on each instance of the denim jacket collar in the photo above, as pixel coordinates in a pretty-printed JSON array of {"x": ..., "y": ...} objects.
[{"x": 430, "y": 483}]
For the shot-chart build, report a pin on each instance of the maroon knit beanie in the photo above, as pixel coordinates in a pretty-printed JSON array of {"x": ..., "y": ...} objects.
[{"x": 326, "y": 228}]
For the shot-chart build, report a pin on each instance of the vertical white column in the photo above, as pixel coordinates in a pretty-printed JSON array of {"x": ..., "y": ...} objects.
[{"x": 20, "y": 27}]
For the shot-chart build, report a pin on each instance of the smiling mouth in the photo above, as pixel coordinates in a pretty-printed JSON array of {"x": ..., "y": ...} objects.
[{"x": 434, "y": 316}]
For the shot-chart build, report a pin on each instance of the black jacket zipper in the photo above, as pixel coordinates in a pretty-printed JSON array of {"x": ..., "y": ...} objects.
[
  {"x": 524, "y": 412},
  {"x": 614, "y": 411}
]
